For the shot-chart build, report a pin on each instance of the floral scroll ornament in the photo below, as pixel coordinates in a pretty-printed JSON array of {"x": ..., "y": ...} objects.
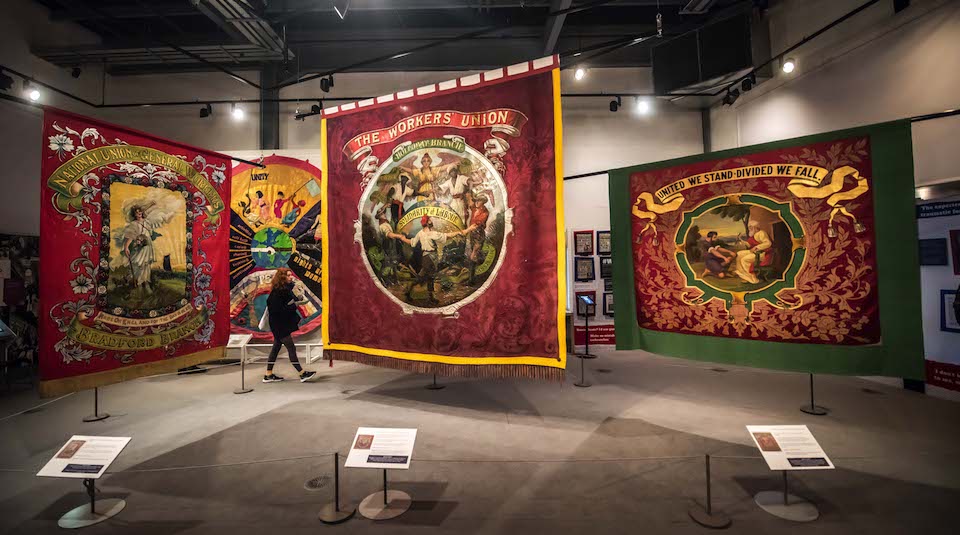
[
  {"x": 650, "y": 213},
  {"x": 832, "y": 191}
]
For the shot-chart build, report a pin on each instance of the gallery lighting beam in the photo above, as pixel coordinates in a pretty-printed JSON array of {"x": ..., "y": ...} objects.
[
  {"x": 580, "y": 73},
  {"x": 642, "y": 106},
  {"x": 731, "y": 97},
  {"x": 341, "y": 6},
  {"x": 615, "y": 104},
  {"x": 237, "y": 112},
  {"x": 788, "y": 65},
  {"x": 31, "y": 91},
  {"x": 206, "y": 111}
]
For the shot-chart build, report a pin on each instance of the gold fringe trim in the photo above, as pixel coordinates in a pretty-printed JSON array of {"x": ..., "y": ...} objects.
[
  {"x": 59, "y": 387},
  {"x": 478, "y": 371}
]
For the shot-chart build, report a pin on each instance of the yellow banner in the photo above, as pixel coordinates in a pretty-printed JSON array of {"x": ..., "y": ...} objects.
[
  {"x": 808, "y": 175},
  {"x": 110, "y": 319},
  {"x": 90, "y": 336},
  {"x": 433, "y": 211},
  {"x": 66, "y": 176}
]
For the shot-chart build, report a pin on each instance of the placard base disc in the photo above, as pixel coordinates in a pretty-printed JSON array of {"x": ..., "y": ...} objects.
[
  {"x": 96, "y": 417},
  {"x": 815, "y": 410},
  {"x": 243, "y": 391},
  {"x": 81, "y": 517},
  {"x": 330, "y": 515},
  {"x": 372, "y": 506},
  {"x": 796, "y": 509},
  {"x": 709, "y": 520}
]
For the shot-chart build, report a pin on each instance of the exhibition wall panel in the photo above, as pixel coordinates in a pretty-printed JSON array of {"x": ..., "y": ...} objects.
[
  {"x": 135, "y": 231},
  {"x": 749, "y": 255}
]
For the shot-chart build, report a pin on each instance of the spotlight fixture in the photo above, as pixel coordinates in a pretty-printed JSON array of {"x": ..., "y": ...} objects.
[
  {"x": 731, "y": 97},
  {"x": 788, "y": 65},
  {"x": 316, "y": 108},
  {"x": 31, "y": 91},
  {"x": 75, "y": 72},
  {"x": 206, "y": 111},
  {"x": 341, "y": 6},
  {"x": 643, "y": 106},
  {"x": 580, "y": 73},
  {"x": 748, "y": 82},
  {"x": 237, "y": 112},
  {"x": 326, "y": 83},
  {"x": 615, "y": 104},
  {"x": 6, "y": 82}
]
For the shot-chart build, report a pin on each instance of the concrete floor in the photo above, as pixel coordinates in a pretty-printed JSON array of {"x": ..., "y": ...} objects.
[{"x": 624, "y": 456}]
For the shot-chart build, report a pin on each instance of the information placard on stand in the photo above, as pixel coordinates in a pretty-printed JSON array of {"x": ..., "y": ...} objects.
[
  {"x": 84, "y": 457},
  {"x": 385, "y": 448},
  {"x": 786, "y": 448},
  {"x": 87, "y": 458}
]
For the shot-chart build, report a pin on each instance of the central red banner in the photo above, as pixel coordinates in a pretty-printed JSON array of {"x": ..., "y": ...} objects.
[{"x": 442, "y": 230}]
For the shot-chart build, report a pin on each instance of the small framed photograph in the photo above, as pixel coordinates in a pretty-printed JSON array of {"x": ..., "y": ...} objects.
[
  {"x": 606, "y": 267},
  {"x": 933, "y": 252},
  {"x": 949, "y": 321},
  {"x": 587, "y": 304},
  {"x": 583, "y": 242},
  {"x": 584, "y": 269},
  {"x": 608, "y": 304},
  {"x": 608, "y": 285},
  {"x": 955, "y": 250},
  {"x": 604, "y": 245}
]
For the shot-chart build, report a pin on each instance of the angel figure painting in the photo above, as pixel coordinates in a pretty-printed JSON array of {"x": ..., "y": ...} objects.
[{"x": 148, "y": 249}]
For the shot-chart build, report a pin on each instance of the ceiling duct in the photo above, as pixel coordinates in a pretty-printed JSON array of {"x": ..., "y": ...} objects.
[
  {"x": 235, "y": 17},
  {"x": 697, "y": 7}
]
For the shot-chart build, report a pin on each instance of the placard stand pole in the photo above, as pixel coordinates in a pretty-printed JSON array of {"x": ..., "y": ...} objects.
[
  {"x": 583, "y": 383},
  {"x": 708, "y": 518},
  {"x": 331, "y": 512},
  {"x": 785, "y": 505},
  {"x": 813, "y": 408},
  {"x": 96, "y": 416},
  {"x": 87, "y": 515},
  {"x": 434, "y": 385},
  {"x": 243, "y": 364},
  {"x": 586, "y": 336},
  {"x": 395, "y": 503}
]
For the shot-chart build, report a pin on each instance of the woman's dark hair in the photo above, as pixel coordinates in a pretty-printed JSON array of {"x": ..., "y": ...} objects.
[
  {"x": 259, "y": 194},
  {"x": 133, "y": 212},
  {"x": 280, "y": 279}
]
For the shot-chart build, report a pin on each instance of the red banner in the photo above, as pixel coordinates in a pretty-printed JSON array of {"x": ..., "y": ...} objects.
[
  {"x": 445, "y": 237},
  {"x": 776, "y": 245},
  {"x": 134, "y": 238}
]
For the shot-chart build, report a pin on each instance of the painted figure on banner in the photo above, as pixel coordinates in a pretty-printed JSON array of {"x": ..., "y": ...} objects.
[
  {"x": 280, "y": 228},
  {"x": 448, "y": 225},
  {"x": 771, "y": 246}
]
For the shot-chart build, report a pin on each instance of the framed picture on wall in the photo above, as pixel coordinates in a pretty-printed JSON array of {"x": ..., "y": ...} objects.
[
  {"x": 604, "y": 244},
  {"x": 608, "y": 304},
  {"x": 955, "y": 250},
  {"x": 948, "y": 313},
  {"x": 587, "y": 307},
  {"x": 933, "y": 252},
  {"x": 608, "y": 285},
  {"x": 606, "y": 267},
  {"x": 583, "y": 243},
  {"x": 584, "y": 269}
]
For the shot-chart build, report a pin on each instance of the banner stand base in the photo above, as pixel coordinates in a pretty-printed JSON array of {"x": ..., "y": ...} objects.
[
  {"x": 709, "y": 520},
  {"x": 434, "y": 385},
  {"x": 91, "y": 513},
  {"x": 813, "y": 408},
  {"x": 97, "y": 415},
  {"x": 582, "y": 383},
  {"x": 386, "y": 504},
  {"x": 329, "y": 514},
  {"x": 784, "y": 505}
]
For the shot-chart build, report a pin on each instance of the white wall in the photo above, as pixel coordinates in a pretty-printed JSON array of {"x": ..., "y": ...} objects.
[{"x": 877, "y": 66}]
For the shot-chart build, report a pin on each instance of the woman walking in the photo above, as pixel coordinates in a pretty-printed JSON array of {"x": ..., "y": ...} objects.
[{"x": 284, "y": 320}]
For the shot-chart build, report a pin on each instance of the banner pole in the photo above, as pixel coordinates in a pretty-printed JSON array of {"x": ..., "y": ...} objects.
[
  {"x": 813, "y": 408},
  {"x": 96, "y": 416}
]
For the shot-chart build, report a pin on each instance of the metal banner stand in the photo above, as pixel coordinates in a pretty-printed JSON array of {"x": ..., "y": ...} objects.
[
  {"x": 331, "y": 512},
  {"x": 583, "y": 375},
  {"x": 785, "y": 505},
  {"x": 586, "y": 337},
  {"x": 812, "y": 408},
  {"x": 707, "y": 518},
  {"x": 385, "y": 505},
  {"x": 87, "y": 514},
  {"x": 434, "y": 385},
  {"x": 243, "y": 364},
  {"x": 96, "y": 416}
]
